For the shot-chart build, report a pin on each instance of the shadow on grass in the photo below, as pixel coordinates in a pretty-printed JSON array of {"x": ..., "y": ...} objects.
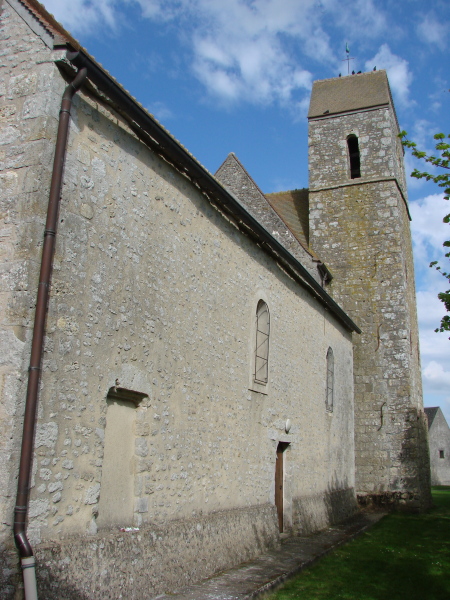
[
  {"x": 403, "y": 557},
  {"x": 397, "y": 578}
]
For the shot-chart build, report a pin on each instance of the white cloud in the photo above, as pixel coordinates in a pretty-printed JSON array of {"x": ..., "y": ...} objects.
[
  {"x": 433, "y": 31},
  {"x": 429, "y": 233},
  {"x": 428, "y": 230},
  {"x": 160, "y": 111},
  {"x": 257, "y": 51},
  {"x": 439, "y": 94},
  {"x": 420, "y": 134},
  {"x": 430, "y": 311},
  {"x": 237, "y": 49},
  {"x": 370, "y": 20},
  {"x": 153, "y": 9},
  {"x": 434, "y": 348},
  {"x": 238, "y": 52},
  {"x": 400, "y": 77},
  {"x": 256, "y": 70},
  {"x": 83, "y": 16},
  {"x": 436, "y": 376}
]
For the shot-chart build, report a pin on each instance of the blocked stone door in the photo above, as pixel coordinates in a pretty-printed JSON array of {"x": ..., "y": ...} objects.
[
  {"x": 116, "y": 503},
  {"x": 117, "y": 484},
  {"x": 279, "y": 481}
]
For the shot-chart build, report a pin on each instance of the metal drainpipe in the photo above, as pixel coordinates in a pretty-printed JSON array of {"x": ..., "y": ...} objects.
[{"x": 34, "y": 371}]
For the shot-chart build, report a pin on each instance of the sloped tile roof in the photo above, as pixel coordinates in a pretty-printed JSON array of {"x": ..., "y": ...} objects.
[
  {"x": 353, "y": 92},
  {"x": 293, "y": 208}
]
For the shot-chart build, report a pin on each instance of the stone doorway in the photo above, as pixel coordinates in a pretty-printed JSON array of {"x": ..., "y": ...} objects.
[{"x": 279, "y": 483}]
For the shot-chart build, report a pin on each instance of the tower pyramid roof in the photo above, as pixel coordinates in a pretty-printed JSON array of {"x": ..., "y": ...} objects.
[{"x": 353, "y": 92}]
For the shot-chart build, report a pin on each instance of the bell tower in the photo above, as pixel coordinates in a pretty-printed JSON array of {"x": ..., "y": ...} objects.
[{"x": 359, "y": 226}]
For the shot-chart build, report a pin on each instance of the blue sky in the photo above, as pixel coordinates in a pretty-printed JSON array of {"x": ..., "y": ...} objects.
[{"x": 235, "y": 76}]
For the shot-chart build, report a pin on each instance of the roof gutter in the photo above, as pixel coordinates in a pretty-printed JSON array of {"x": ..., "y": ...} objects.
[
  {"x": 37, "y": 343},
  {"x": 160, "y": 140}
]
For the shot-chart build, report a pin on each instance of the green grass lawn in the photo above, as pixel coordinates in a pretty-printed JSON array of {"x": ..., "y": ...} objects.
[{"x": 403, "y": 557}]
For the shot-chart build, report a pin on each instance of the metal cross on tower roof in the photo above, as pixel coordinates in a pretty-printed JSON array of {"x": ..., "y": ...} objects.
[{"x": 348, "y": 59}]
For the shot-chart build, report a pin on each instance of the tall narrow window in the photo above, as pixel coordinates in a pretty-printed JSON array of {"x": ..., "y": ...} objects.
[
  {"x": 330, "y": 381},
  {"x": 353, "y": 153},
  {"x": 262, "y": 343}
]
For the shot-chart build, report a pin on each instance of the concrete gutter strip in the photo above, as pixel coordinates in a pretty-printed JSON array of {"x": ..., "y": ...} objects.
[{"x": 261, "y": 576}]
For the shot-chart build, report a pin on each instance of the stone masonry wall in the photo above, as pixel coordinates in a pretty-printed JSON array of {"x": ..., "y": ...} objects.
[
  {"x": 141, "y": 564},
  {"x": 360, "y": 228},
  {"x": 153, "y": 290},
  {"x": 30, "y": 94},
  {"x": 380, "y": 148}
]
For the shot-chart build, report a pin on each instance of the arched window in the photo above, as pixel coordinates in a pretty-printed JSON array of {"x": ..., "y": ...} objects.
[
  {"x": 261, "y": 374},
  {"x": 353, "y": 153},
  {"x": 330, "y": 381}
]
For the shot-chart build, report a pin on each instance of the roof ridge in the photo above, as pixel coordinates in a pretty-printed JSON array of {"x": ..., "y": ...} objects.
[{"x": 358, "y": 74}]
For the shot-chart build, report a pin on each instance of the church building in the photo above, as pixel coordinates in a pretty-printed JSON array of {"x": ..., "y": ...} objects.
[{"x": 191, "y": 367}]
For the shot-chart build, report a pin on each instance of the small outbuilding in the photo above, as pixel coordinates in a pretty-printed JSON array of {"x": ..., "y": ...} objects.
[{"x": 439, "y": 442}]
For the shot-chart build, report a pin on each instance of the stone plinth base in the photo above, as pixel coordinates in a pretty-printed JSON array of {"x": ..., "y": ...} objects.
[{"x": 409, "y": 501}]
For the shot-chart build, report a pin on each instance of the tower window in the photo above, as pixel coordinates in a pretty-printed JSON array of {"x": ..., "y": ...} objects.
[
  {"x": 353, "y": 153},
  {"x": 441, "y": 454},
  {"x": 261, "y": 374},
  {"x": 330, "y": 381}
]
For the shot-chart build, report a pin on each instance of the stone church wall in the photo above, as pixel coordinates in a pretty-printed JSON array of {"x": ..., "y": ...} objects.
[{"x": 153, "y": 291}]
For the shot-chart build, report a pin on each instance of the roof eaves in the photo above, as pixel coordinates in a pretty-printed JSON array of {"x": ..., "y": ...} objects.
[
  {"x": 348, "y": 112},
  {"x": 208, "y": 184},
  {"x": 174, "y": 153}
]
